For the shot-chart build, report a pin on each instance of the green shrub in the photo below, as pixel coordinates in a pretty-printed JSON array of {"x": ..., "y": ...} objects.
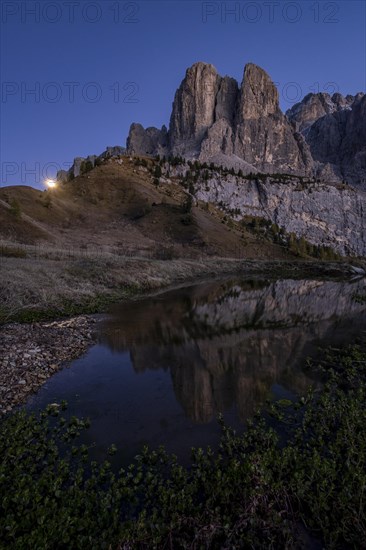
[
  {"x": 140, "y": 162},
  {"x": 300, "y": 469},
  {"x": 187, "y": 204},
  {"x": 157, "y": 171}
]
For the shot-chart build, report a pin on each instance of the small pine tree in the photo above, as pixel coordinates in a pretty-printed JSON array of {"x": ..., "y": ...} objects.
[
  {"x": 256, "y": 224},
  {"x": 310, "y": 249},
  {"x": 292, "y": 244},
  {"x": 157, "y": 171},
  {"x": 302, "y": 246},
  {"x": 187, "y": 205}
]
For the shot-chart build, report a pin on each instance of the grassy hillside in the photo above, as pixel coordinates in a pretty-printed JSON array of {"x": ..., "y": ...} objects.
[{"x": 119, "y": 205}]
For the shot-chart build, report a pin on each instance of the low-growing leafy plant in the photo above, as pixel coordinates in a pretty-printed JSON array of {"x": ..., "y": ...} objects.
[
  {"x": 298, "y": 468},
  {"x": 359, "y": 298}
]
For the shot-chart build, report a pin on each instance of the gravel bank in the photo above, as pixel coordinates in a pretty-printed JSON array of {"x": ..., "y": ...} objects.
[{"x": 31, "y": 353}]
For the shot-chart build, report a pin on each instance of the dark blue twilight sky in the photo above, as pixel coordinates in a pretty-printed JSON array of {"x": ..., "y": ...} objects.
[{"x": 96, "y": 66}]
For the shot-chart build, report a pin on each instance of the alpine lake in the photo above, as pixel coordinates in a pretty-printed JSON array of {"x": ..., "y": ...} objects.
[{"x": 165, "y": 366}]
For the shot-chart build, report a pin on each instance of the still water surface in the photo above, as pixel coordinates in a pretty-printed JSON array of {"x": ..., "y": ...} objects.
[{"x": 165, "y": 366}]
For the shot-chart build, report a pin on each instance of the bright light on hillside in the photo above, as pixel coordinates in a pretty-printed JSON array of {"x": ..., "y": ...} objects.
[{"x": 51, "y": 184}]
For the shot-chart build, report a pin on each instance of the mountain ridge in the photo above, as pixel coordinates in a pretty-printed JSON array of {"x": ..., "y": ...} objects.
[{"x": 215, "y": 119}]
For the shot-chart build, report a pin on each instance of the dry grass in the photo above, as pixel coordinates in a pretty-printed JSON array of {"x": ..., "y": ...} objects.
[
  {"x": 48, "y": 284},
  {"x": 44, "y": 287}
]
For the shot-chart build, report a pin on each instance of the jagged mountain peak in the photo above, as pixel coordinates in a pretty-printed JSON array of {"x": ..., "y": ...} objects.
[
  {"x": 253, "y": 71},
  {"x": 259, "y": 95},
  {"x": 243, "y": 126},
  {"x": 316, "y": 105},
  {"x": 200, "y": 66}
]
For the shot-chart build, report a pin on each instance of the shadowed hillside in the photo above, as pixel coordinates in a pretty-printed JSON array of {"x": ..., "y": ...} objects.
[{"x": 121, "y": 205}]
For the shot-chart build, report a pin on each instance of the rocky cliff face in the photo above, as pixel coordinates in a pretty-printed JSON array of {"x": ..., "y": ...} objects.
[
  {"x": 335, "y": 130},
  {"x": 91, "y": 161},
  {"x": 315, "y": 106},
  {"x": 339, "y": 140},
  {"x": 148, "y": 142},
  {"x": 194, "y": 109},
  {"x": 263, "y": 135},
  {"x": 216, "y": 120},
  {"x": 324, "y": 214}
]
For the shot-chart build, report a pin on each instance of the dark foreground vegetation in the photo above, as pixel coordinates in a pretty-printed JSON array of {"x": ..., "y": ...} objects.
[{"x": 296, "y": 478}]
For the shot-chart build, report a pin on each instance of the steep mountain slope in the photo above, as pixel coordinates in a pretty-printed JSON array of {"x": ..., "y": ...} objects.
[
  {"x": 174, "y": 208},
  {"x": 14, "y": 225},
  {"x": 324, "y": 214},
  {"x": 335, "y": 130},
  {"x": 315, "y": 106},
  {"x": 339, "y": 140}
]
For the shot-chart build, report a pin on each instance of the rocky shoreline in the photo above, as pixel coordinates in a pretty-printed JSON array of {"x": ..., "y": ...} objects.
[{"x": 31, "y": 353}]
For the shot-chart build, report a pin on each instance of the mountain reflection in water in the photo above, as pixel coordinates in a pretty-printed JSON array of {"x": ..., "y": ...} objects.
[
  {"x": 230, "y": 342},
  {"x": 165, "y": 366}
]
